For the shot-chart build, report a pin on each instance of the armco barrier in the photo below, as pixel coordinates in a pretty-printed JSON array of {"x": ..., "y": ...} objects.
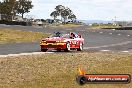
[
  {"x": 121, "y": 28},
  {"x": 15, "y": 23}
]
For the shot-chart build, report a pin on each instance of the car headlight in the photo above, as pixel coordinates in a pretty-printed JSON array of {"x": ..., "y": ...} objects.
[{"x": 43, "y": 41}]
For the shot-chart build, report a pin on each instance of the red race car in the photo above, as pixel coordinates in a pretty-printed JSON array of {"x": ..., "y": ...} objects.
[{"x": 59, "y": 41}]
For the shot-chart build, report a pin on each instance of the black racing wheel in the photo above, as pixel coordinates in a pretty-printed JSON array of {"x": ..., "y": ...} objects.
[{"x": 67, "y": 47}]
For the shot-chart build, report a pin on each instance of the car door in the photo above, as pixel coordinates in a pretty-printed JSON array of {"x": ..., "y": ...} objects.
[{"x": 74, "y": 42}]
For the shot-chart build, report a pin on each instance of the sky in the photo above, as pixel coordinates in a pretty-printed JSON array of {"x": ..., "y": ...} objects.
[{"x": 86, "y": 9}]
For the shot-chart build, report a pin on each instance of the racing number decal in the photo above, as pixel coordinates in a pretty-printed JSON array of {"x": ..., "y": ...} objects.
[{"x": 74, "y": 42}]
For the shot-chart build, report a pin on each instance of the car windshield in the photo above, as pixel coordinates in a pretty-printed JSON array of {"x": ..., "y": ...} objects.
[
  {"x": 66, "y": 36},
  {"x": 60, "y": 35},
  {"x": 56, "y": 34}
]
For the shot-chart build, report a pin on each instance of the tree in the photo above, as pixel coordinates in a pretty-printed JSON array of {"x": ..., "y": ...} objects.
[
  {"x": 59, "y": 8},
  {"x": 64, "y": 12},
  {"x": 7, "y": 7},
  {"x": 72, "y": 17},
  {"x": 0, "y": 6},
  {"x": 24, "y": 6},
  {"x": 54, "y": 14},
  {"x": 10, "y": 7}
]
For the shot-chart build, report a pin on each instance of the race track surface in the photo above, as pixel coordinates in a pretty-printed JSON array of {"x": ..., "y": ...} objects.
[{"x": 101, "y": 40}]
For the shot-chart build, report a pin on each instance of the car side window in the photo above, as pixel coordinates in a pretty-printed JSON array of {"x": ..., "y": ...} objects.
[{"x": 76, "y": 35}]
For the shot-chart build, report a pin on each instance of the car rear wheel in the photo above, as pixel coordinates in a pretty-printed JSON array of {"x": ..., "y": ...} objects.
[
  {"x": 80, "y": 47},
  {"x": 67, "y": 47},
  {"x": 44, "y": 50}
]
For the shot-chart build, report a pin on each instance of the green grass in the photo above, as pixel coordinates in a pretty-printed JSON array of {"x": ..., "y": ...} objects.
[
  {"x": 65, "y": 26},
  {"x": 16, "y": 36},
  {"x": 60, "y": 70}
]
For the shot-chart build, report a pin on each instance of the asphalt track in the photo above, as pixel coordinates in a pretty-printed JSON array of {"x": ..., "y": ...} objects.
[{"x": 101, "y": 40}]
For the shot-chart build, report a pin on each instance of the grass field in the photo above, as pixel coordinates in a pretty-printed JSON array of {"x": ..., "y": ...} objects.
[
  {"x": 60, "y": 70},
  {"x": 65, "y": 26},
  {"x": 13, "y": 36}
]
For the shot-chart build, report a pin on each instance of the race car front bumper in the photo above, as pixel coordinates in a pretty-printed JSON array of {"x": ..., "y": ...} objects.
[{"x": 53, "y": 45}]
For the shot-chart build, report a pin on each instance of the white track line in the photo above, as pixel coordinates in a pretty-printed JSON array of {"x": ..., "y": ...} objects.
[
  {"x": 125, "y": 51},
  {"x": 104, "y": 50},
  {"x": 128, "y": 35},
  {"x": 123, "y": 43},
  {"x": 100, "y": 32},
  {"x": 25, "y": 54},
  {"x": 118, "y": 34},
  {"x": 110, "y": 33}
]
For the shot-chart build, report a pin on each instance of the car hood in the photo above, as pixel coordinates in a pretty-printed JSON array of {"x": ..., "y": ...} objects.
[{"x": 54, "y": 39}]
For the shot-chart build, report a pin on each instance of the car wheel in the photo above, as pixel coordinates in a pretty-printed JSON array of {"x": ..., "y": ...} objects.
[
  {"x": 81, "y": 80},
  {"x": 80, "y": 47},
  {"x": 67, "y": 47},
  {"x": 44, "y": 50}
]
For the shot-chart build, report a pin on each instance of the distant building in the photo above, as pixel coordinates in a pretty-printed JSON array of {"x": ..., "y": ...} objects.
[
  {"x": 58, "y": 21},
  {"x": 18, "y": 18},
  {"x": 50, "y": 21},
  {"x": 121, "y": 23},
  {"x": 38, "y": 22}
]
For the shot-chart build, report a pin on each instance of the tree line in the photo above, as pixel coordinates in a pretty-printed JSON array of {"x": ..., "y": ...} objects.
[
  {"x": 64, "y": 12},
  {"x": 10, "y": 8}
]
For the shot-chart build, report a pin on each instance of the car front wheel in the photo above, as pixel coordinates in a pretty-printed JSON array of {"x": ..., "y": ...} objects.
[
  {"x": 67, "y": 47},
  {"x": 80, "y": 47}
]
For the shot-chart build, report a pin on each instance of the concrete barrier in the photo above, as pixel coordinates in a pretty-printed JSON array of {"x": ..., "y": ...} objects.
[{"x": 121, "y": 28}]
